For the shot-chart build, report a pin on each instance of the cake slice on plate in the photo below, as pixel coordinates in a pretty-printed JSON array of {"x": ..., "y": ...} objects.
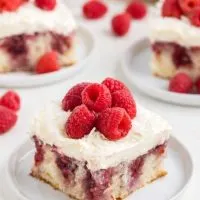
[
  {"x": 31, "y": 29},
  {"x": 97, "y": 144},
  {"x": 175, "y": 38}
]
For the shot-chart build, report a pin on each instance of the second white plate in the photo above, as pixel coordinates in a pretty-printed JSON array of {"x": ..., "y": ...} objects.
[
  {"x": 136, "y": 67},
  {"x": 18, "y": 185},
  {"x": 84, "y": 50}
]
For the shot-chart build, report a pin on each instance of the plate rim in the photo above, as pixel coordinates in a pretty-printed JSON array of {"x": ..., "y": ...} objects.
[
  {"x": 173, "y": 138},
  {"x": 46, "y": 79},
  {"x": 159, "y": 94}
]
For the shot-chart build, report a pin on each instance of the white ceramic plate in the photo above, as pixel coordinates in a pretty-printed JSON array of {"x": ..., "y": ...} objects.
[
  {"x": 18, "y": 185},
  {"x": 136, "y": 67},
  {"x": 84, "y": 50}
]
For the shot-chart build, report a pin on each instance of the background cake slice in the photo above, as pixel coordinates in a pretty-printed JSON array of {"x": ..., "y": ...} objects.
[
  {"x": 31, "y": 31},
  {"x": 175, "y": 39},
  {"x": 122, "y": 150}
]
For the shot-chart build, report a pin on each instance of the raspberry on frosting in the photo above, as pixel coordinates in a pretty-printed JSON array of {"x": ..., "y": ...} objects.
[
  {"x": 46, "y": 4},
  {"x": 73, "y": 97},
  {"x": 108, "y": 107},
  {"x": 171, "y": 8},
  {"x": 181, "y": 83},
  {"x": 137, "y": 9},
  {"x": 80, "y": 122},
  {"x": 94, "y": 9},
  {"x": 113, "y": 85},
  {"x": 10, "y": 5},
  {"x": 114, "y": 123},
  {"x": 97, "y": 97},
  {"x": 124, "y": 99},
  {"x": 195, "y": 17},
  {"x": 188, "y": 6}
]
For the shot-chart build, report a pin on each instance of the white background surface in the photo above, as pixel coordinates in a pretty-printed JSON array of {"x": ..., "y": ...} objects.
[{"x": 106, "y": 62}]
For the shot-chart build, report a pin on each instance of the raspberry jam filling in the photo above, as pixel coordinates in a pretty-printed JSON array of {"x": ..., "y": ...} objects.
[
  {"x": 18, "y": 47},
  {"x": 15, "y": 45},
  {"x": 180, "y": 55},
  {"x": 96, "y": 183},
  {"x": 39, "y": 155},
  {"x": 67, "y": 166}
]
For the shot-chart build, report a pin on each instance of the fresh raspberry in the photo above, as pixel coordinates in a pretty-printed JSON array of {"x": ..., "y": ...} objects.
[
  {"x": 7, "y": 119},
  {"x": 171, "y": 8},
  {"x": 188, "y": 6},
  {"x": 114, "y": 123},
  {"x": 11, "y": 100},
  {"x": 195, "y": 17},
  {"x": 46, "y": 4},
  {"x": 197, "y": 85},
  {"x": 124, "y": 99},
  {"x": 9, "y": 5},
  {"x": 113, "y": 85},
  {"x": 97, "y": 97},
  {"x": 94, "y": 9},
  {"x": 24, "y": 1},
  {"x": 73, "y": 97},
  {"x": 48, "y": 63},
  {"x": 121, "y": 24},
  {"x": 137, "y": 9},
  {"x": 80, "y": 122},
  {"x": 181, "y": 83}
]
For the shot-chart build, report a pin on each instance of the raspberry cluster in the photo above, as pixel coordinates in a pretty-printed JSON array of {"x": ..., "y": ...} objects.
[
  {"x": 121, "y": 23},
  {"x": 107, "y": 107},
  {"x": 9, "y": 105},
  {"x": 183, "y": 83},
  {"x": 179, "y": 8},
  {"x": 13, "y": 5}
]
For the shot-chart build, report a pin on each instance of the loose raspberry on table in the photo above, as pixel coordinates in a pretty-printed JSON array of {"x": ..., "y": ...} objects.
[
  {"x": 124, "y": 99},
  {"x": 114, "y": 123},
  {"x": 80, "y": 122},
  {"x": 197, "y": 85},
  {"x": 181, "y": 83},
  {"x": 188, "y": 6},
  {"x": 97, "y": 97},
  {"x": 9, "y": 5},
  {"x": 8, "y": 119},
  {"x": 171, "y": 8},
  {"x": 48, "y": 63},
  {"x": 195, "y": 17},
  {"x": 137, "y": 9},
  {"x": 113, "y": 85},
  {"x": 121, "y": 24},
  {"x": 46, "y": 4},
  {"x": 73, "y": 97},
  {"x": 94, "y": 9},
  {"x": 11, "y": 100}
]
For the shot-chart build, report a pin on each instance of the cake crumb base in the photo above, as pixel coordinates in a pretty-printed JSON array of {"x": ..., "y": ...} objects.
[{"x": 160, "y": 174}]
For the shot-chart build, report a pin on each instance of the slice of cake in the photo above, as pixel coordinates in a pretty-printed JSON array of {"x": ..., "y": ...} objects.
[
  {"x": 97, "y": 144},
  {"x": 175, "y": 38},
  {"x": 31, "y": 30}
]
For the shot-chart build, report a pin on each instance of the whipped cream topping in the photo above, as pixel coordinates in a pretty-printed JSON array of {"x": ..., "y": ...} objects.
[
  {"x": 29, "y": 19},
  {"x": 149, "y": 130},
  {"x": 168, "y": 29}
]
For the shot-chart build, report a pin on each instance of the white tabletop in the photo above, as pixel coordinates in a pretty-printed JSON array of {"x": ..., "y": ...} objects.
[{"x": 106, "y": 62}]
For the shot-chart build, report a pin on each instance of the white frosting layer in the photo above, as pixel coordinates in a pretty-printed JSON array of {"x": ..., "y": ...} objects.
[
  {"x": 149, "y": 130},
  {"x": 167, "y": 29},
  {"x": 29, "y": 19}
]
